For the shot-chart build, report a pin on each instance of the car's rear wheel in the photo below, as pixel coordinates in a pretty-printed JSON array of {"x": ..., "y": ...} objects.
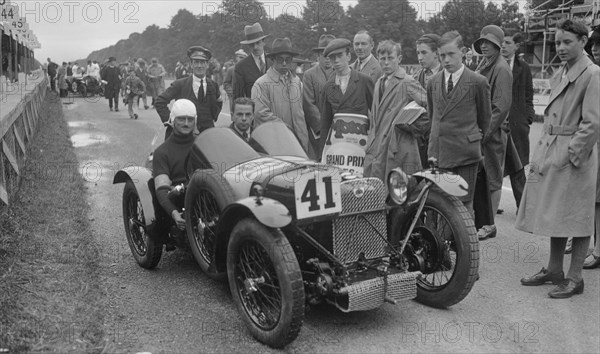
[
  {"x": 144, "y": 248},
  {"x": 265, "y": 282},
  {"x": 444, "y": 247},
  {"x": 207, "y": 195}
]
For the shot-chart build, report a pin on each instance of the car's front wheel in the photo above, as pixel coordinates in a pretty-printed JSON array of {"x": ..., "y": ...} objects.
[
  {"x": 145, "y": 249},
  {"x": 265, "y": 282}
]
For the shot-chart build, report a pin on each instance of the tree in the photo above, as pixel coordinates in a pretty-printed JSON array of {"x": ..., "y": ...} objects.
[{"x": 387, "y": 19}]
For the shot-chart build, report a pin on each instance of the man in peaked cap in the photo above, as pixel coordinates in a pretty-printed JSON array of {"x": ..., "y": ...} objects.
[
  {"x": 252, "y": 67},
  {"x": 198, "y": 88},
  {"x": 240, "y": 54},
  {"x": 314, "y": 80},
  {"x": 346, "y": 91},
  {"x": 499, "y": 76},
  {"x": 278, "y": 93}
]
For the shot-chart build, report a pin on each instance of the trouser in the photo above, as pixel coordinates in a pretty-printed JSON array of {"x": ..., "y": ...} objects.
[
  {"x": 132, "y": 105},
  {"x": 113, "y": 99},
  {"x": 144, "y": 100},
  {"x": 53, "y": 83}
]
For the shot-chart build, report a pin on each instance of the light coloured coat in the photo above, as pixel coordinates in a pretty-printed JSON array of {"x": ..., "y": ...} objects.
[
  {"x": 560, "y": 192},
  {"x": 280, "y": 98},
  {"x": 386, "y": 149}
]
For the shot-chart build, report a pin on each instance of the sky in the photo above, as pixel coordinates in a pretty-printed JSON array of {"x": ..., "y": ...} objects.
[{"x": 70, "y": 30}]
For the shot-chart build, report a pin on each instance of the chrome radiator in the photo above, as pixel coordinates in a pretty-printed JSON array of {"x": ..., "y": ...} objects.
[{"x": 356, "y": 233}]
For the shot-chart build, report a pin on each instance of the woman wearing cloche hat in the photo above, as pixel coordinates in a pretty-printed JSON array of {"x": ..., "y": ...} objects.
[{"x": 499, "y": 76}]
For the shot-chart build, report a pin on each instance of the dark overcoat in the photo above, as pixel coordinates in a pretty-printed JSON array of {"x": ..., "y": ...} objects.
[
  {"x": 245, "y": 73},
  {"x": 521, "y": 110}
]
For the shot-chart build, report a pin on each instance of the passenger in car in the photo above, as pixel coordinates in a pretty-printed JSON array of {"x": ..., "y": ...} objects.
[
  {"x": 242, "y": 115},
  {"x": 168, "y": 164}
]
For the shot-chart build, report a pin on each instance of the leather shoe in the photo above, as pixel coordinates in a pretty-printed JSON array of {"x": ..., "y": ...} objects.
[
  {"x": 567, "y": 289},
  {"x": 542, "y": 277},
  {"x": 486, "y": 231},
  {"x": 592, "y": 261}
]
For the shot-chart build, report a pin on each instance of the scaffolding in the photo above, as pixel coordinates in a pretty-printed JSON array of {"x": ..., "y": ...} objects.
[{"x": 540, "y": 28}]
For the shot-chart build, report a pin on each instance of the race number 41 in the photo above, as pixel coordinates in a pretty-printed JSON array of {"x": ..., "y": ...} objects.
[{"x": 318, "y": 194}]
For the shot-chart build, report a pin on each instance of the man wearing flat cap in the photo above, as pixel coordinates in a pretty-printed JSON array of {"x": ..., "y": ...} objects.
[
  {"x": 198, "y": 88},
  {"x": 314, "y": 80},
  {"x": 346, "y": 91},
  {"x": 499, "y": 75},
  {"x": 252, "y": 67},
  {"x": 240, "y": 54},
  {"x": 278, "y": 93}
]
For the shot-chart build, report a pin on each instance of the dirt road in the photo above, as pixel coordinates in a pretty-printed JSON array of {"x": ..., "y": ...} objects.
[{"x": 176, "y": 308}]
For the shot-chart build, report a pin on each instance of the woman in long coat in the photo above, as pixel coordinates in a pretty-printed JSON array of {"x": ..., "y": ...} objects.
[{"x": 560, "y": 192}]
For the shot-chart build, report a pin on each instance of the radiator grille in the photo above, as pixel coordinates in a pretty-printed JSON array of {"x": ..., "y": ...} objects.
[{"x": 353, "y": 234}]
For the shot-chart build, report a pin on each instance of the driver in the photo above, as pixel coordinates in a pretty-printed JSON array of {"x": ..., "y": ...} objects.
[{"x": 169, "y": 158}]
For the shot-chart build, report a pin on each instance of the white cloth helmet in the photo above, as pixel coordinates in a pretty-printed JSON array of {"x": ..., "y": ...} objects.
[{"x": 182, "y": 107}]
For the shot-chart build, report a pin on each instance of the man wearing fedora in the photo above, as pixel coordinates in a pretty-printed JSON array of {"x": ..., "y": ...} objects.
[
  {"x": 198, "y": 88},
  {"x": 112, "y": 75},
  {"x": 314, "y": 80},
  {"x": 346, "y": 91},
  {"x": 253, "y": 66},
  {"x": 278, "y": 93},
  {"x": 240, "y": 54},
  {"x": 365, "y": 62},
  {"x": 499, "y": 75}
]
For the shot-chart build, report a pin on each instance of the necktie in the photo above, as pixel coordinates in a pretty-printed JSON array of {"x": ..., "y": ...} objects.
[
  {"x": 201, "y": 91},
  {"x": 382, "y": 87},
  {"x": 450, "y": 84},
  {"x": 262, "y": 64},
  {"x": 245, "y": 135}
]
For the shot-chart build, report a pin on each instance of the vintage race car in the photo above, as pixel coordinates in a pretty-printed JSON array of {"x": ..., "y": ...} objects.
[{"x": 288, "y": 232}]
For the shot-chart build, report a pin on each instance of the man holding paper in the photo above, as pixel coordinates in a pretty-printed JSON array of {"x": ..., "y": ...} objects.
[{"x": 398, "y": 117}]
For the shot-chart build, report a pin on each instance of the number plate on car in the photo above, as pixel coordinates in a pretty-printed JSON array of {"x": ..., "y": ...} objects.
[{"x": 318, "y": 193}]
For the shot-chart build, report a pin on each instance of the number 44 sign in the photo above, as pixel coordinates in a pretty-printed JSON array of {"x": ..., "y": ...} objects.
[{"x": 318, "y": 194}]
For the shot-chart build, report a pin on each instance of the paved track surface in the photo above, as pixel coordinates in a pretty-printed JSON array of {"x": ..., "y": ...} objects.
[{"x": 176, "y": 308}]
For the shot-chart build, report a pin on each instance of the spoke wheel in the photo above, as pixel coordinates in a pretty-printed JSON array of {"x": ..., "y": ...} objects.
[
  {"x": 266, "y": 283},
  {"x": 444, "y": 247},
  {"x": 207, "y": 195},
  {"x": 144, "y": 248}
]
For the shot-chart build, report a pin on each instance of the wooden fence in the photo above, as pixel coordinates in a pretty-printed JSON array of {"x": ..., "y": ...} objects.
[{"x": 17, "y": 129}]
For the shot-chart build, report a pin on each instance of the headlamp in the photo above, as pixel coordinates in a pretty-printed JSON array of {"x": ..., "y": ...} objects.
[{"x": 398, "y": 186}]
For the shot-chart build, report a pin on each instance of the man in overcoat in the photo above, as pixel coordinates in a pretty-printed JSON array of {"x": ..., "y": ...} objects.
[
  {"x": 240, "y": 54},
  {"x": 394, "y": 90},
  {"x": 347, "y": 91},
  {"x": 248, "y": 70},
  {"x": 112, "y": 75},
  {"x": 278, "y": 93},
  {"x": 314, "y": 80},
  {"x": 460, "y": 108},
  {"x": 521, "y": 113},
  {"x": 365, "y": 62},
  {"x": 198, "y": 88},
  {"x": 560, "y": 192},
  {"x": 499, "y": 76}
]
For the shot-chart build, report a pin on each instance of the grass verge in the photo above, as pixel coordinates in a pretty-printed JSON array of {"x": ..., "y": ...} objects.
[{"x": 51, "y": 298}]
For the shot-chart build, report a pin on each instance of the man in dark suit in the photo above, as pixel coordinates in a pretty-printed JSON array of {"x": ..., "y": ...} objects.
[
  {"x": 198, "y": 88},
  {"x": 469, "y": 62},
  {"x": 459, "y": 105},
  {"x": 346, "y": 91},
  {"x": 242, "y": 116},
  {"x": 253, "y": 66},
  {"x": 366, "y": 62},
  {"x": 521, "y": 112}
]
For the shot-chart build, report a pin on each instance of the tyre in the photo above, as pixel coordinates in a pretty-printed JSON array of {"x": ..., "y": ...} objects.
[
  {"x": 444, "y": 247},
  {"x": 265, "y": 282},
  {"x": 207, "y": 195},
  {"x": 145, "y": 249}
]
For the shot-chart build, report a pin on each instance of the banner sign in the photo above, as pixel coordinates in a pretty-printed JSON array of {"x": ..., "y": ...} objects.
[{"x": 347, "y": 141}]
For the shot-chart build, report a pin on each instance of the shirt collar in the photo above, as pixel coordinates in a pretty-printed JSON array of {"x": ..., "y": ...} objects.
[
  {"x": 456, "y": 75},
  {"x": 365, "y": 60}
]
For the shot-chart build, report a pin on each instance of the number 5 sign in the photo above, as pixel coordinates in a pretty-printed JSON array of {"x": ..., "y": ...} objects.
[{"x": 318, "y": 194}]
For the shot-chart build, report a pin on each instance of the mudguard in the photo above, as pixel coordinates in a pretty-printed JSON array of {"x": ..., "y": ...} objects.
[
  {"x": 140, "y": 176},
  {"x": 450, "y": 183},
  {"x": 269, "y": 212}
]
